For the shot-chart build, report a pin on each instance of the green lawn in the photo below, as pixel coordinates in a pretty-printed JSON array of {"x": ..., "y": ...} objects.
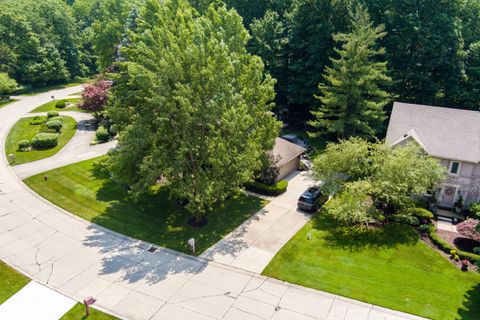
[
  {"x": 78, "y": 313},
  {"x": 80, "y": 189},
  {"x": 6, "y": 102},
  {"x": 390, "y": 267},
  {"x": 50, "y": 106},
  {"x": 23, "y": 130},
  {"x": 11, "y": 281}
]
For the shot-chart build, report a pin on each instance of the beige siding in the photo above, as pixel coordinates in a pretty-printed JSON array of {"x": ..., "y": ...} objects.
[{"x": 288, "y": 168}]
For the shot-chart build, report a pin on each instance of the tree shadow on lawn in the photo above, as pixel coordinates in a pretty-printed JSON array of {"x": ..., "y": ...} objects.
[
  {"x": 160, "y": 220},
  {"x": 471, "y": 307},
  {"x": 359, "y": 238}
]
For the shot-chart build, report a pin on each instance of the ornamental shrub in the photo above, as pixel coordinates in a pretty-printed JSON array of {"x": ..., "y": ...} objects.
[
  {"x": 266, "y": 189},
  {"x": 113, "y": 129},
  {"x": 36, "y": 121},
  {"x": 424, "y": 228},
  {"x": 475, "y": 210},
  {"x": 52, "y": 114},
  {"x": 45, "y": 140},
  {"x": 55, "y": 125},
  {"x": 102, "y": 134},
  {"x": 23, "y": 145},
  {"x": 60, "y": 104}
]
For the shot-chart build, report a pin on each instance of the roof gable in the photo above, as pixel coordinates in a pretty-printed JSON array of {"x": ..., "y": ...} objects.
[{"x": 443, "y": 132}]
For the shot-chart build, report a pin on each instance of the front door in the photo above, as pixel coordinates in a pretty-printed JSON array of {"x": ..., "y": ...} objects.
[{"x": 448, "y": 197}]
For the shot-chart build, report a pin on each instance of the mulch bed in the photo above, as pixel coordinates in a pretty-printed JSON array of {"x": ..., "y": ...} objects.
[{"x": 454, "y": 239}]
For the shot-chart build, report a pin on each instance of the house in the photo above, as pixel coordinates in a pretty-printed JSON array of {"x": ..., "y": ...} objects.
[
  {"x": 450, "y": 135},
  {"x": 288, "y": 155}
]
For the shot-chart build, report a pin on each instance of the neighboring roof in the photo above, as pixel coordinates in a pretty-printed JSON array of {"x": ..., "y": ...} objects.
[
  {"x": 443, "y": 132},
  {"x": 286, "y": 150}
]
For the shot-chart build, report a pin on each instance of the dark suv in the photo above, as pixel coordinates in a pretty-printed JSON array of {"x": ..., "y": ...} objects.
[{"x": 312, "y": 199}]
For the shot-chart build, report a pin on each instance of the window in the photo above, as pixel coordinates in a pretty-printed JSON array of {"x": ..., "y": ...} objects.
[{"x": 454, "y": 167}]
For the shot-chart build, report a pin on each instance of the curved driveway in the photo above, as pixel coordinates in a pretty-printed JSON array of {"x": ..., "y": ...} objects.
[{"x": 81, "y": 259}]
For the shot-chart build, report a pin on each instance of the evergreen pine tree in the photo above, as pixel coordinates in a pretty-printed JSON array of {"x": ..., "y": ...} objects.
[{"x": 353, "y": 95}]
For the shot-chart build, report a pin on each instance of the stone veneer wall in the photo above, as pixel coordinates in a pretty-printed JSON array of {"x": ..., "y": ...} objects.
[{"x": 469, "y": 188}]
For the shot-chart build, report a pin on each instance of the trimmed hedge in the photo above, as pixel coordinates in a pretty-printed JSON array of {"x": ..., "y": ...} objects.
[
  {"x": 56, "y": 118},
  {"x": 55, "y": 125},
  {"x": 446, "y": 247},
  {"x": 52, "y": 114},
  {"x": 422, "y": 213},
  {"x": 60, "y": 104},
  {"x": 102, "y": 134},
  {"x": 266, "y": 189},
  {"x": 45, "y": 140}
]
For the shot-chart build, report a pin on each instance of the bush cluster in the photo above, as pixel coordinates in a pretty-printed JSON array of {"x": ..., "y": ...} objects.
[
  {"x": 52, "y": 114},
  {"x": 267, "y": 189},
  {"x": 102, "y": 134},
  {"x": 60, "y": 104},
  {"x": 45, "y": 140},
  {"x": 56, "y": 118}
]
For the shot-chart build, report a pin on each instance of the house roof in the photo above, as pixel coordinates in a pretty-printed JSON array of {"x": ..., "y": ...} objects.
[
  {"x": 286, "y": 150},
  {"x": 443, "y": 132}
]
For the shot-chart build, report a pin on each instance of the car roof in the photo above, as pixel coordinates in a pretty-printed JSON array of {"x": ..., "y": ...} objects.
[{"x": 310, "y": 191}]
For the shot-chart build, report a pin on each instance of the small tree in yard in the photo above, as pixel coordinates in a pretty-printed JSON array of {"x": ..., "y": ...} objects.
[
  {"x": 373, "y": 179},
  {"x": 95, "y": 96},
  {"x": 470, "y": 229},
  {"x": 7, "y": 85}
]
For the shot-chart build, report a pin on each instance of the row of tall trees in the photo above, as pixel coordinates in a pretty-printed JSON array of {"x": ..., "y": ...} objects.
[{"x": 432, "y": 48}]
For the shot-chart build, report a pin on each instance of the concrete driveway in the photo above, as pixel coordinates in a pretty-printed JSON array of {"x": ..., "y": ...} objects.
[
  {"x": 252, "y": 245},
  {"x": 80, "y": 259}
]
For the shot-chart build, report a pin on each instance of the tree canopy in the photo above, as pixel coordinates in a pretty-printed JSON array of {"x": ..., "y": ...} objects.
[
  {"x": 372, "y": 179},
  {"x": 192, "y": 104}
]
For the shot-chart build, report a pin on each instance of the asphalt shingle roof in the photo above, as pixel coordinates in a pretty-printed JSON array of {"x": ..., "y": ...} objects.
[
  {"x": 286, "y": 150},
  {"x": 444, "y": 132}
]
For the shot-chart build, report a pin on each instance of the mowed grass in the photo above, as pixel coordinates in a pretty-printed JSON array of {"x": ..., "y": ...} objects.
[
  {"x": 389, "y": 266},
  {"x": 23, "y": 130},
  {"x": 78, "y": 313},
  {"x": 78, "y": 188},
  {"x": 3, "y": 103},
  {"x": 51, "y": 106},
  {"x": 11, "y": 282}
]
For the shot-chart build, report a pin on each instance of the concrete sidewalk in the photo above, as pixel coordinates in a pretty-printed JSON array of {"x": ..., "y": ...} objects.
[
  {"x": 80, "y": 259},
  {"x": 252, "y": 245},
  {"x": 35, "y": 301}
]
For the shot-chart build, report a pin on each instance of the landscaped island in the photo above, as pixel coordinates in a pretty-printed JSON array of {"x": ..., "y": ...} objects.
[
  {"x": 39, "y": 137},
  {"x": 90, "y": 194}
]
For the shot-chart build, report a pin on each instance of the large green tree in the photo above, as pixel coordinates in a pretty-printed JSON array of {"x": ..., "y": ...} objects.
[
  {"x": 353, "y": 95},
  {"x": 192, "y": 105}
]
